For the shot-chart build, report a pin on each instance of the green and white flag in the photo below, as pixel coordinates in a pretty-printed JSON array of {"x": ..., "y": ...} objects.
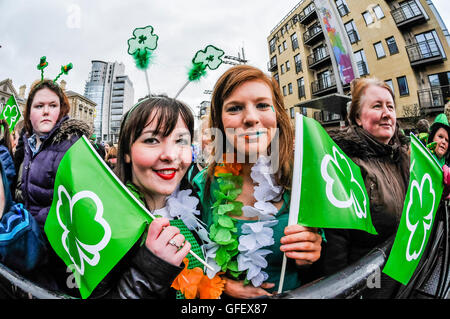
[
  {"x": 11, "y": 113},
  {"x": 328, "y": 190},
  {"x": 94, "y": 220},
  {"x": 421, "y": 203}
]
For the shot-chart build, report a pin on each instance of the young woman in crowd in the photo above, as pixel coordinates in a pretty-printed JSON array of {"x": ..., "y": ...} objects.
[
  {"x": 245, "y": 199},
  {"x": 49, "y": 133},
  {"x": 154, "y": 154}
]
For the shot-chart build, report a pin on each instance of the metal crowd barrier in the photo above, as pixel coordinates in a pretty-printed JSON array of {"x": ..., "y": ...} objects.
[{"x": 429, "y": 280}]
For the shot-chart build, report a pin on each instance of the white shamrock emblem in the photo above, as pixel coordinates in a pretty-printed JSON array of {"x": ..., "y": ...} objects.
[
  {"x": 355, "y": 190},
  {"x": 416, "y": 206},
  {"x": 78, "y": 251}
]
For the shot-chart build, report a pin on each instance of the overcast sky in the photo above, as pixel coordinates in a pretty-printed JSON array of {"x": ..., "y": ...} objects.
[{"x": 80, "y": 31}]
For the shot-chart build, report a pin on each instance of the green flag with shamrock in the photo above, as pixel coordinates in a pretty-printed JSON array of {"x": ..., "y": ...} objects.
[
  {"x": 421, "y": 203},
  {"x": 11, "y": 113},
  {"x": 94, "y": 220},
  {"x": 328, "y": 190}
]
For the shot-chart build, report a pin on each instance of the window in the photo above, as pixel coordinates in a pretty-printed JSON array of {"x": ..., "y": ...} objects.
[
  {"x": 288, "y": 66},
  {"x": 273, "y": 61},
  {"x": 304, "y": 110},
  {"x": 361, "y": 62},
  {"x": 379, "y": 50},
  {"x": 391, "y": 84},
  {"x": 342, "y": 7},
  {"x": 410, "y": 9},
  {"x": 284, "y": 45},
  {"x": 280, "y": 49},
  {"x": 284, "y": 90},
  {"x": 301, "y": 88},
  {"x": 282, "y": 69},
  {"x": 294, "y": 41},
  {"x": 429, "y": 44},
  {"x": 272, "y": 45},
  {"x": 277, "y": 78},
  {"x": 290, "y": 88},
  {"x": 351, "y": 32},
  {"x": 292, "y": 109},
  {"x": 403, "y": 85},
  {"x": 319, "y": 53},
  {"x": 368, "y": 17},
  {"x": 378, "y": 12},
  {"x": 298, "y": 63},
  {"x": 439, "y": 79},
  {"x": 392, "y": 45}
]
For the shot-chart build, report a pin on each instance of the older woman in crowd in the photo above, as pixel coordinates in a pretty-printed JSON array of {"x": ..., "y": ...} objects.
[{"x": 374, "y": 142}]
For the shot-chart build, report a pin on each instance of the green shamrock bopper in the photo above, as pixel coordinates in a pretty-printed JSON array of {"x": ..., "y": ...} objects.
[
  {"x": 141, "y": 47},
  {"x": 64, "y": 70},
  {"x": 42, "y": 65},
  {"x": 210, "y": 57}
]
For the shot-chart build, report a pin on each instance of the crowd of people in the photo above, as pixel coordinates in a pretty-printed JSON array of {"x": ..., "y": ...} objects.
[{"x": 233, "y": 213}]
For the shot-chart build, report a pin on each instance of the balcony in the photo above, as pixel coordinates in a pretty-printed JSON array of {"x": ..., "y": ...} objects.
[
  {"x": 308, "y": 14},
  {"x": 313, "y": 34},
  {"x": 424, "y": 53},
  {"x": 324, "y": 85},
  {"x": 326, "y": 117},
  {"x": 319, "y": 58},
  {"x": 272, "y": 66},
  {"x": 407, "y": 16},
  {"x": 434, "y": 99}
]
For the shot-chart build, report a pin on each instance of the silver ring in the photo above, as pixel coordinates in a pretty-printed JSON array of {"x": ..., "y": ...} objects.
[{"x": 173, "y": 243}]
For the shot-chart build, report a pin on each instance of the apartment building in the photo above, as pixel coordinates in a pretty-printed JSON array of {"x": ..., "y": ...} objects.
[
  {"x": 321, "y": 45},
  {"x": 113, "y": 93}
]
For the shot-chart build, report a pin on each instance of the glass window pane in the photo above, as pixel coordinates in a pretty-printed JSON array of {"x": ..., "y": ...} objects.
[
  {"x": 379, "y": 50},
  {"x": 368, "y": 17},
  {"x": 403, "y": 85},
  {"x": 378, "y": 12}
]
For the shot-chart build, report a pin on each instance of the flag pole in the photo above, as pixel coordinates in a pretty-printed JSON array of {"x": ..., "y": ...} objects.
[{"x": 296, "y": 186}]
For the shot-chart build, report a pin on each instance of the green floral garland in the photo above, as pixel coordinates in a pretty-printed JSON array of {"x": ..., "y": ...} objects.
[{"x": 223, "y": 230}]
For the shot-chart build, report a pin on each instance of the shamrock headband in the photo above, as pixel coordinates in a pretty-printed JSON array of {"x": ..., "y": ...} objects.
[
  {"x": 134, "y": 107},
  {"x": 43, "y": 64}
]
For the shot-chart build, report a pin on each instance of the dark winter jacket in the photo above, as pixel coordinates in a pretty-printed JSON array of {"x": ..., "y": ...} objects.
[
  {"x": 385, "y": 170},
  {"x": 39, "y": 171},
  {"x": 21, "y": 244},
  {"x": 8, "y": 166}
]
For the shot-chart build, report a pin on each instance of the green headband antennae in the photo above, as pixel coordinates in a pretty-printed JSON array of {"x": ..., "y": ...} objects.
[
  {"x": 42, "y": 65},
  {"x": 64, "y": 70}
]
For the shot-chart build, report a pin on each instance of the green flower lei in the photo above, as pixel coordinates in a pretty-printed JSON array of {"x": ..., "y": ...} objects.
[{"x": 223, "y": 230}]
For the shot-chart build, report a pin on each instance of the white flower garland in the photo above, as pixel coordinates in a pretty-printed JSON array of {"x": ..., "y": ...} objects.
[{"x": 255, "y": 235}]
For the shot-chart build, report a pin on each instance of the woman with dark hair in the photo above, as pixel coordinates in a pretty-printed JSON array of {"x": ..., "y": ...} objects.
[
  {"x": 154, "y": 154},
  {"x": 246, "y": 192}
]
